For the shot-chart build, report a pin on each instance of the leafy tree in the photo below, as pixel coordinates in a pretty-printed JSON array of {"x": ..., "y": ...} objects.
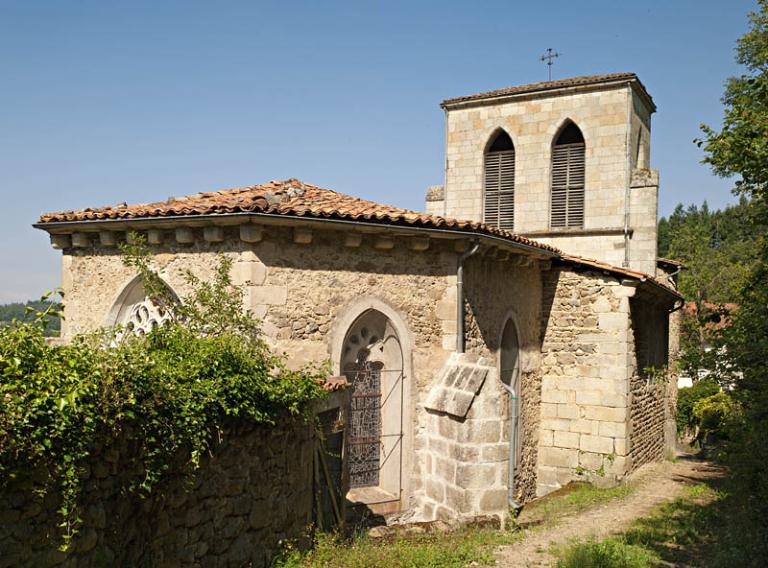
[
  {"x": 29, "y": 310},
  {"x": 718, "y": 248},
  {"x": 686, "y": 399},
  {"x": 740, "y": 148}
]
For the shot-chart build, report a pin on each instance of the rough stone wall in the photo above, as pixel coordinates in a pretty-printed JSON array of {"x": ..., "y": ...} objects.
[
  {"x": 296, "y": 289},
  {"x": 647, "y": 416},
  {"x": 574, "y": 337},
  {"x": 255, "y": 491},
  {"x": 300, "y": 290},
  {"x": 670, "y": 427},
  {"x": 649, "y": 394},
  {"x": 608, "y": 117},
  {"x": 497, "y": 291},
  {"x": 465, "y": 462},
  {"x": 586, "y": 340}
]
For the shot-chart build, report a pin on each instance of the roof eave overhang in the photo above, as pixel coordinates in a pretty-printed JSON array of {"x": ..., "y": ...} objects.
[
  {"x": 634, "y": 82},
  {"x": 648, "y": 284},
  {"x": 278, "y": 219},
  {"x": 660, "y": 291}
]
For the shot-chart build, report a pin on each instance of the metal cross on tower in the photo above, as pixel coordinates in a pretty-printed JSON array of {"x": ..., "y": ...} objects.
[{"x": 548, "y": 57}]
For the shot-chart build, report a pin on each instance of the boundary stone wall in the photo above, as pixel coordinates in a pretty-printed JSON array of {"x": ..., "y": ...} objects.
[{"x": 254, "y": 491}]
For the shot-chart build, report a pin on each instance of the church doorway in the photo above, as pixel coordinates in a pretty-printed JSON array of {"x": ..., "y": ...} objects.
[{"x": 373, "y": 362}]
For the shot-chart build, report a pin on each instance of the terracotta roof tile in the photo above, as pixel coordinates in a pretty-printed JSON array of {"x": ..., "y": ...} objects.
[
  {"x": 548, "y": 86},
  {"x": 617, "y": 270},
  {"x": 291, "y": 198},
  {"x": 335, "y": 383},
  {"x": 662, "y": 261}
]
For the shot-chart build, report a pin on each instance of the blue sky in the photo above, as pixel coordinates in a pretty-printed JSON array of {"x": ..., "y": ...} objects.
[{"x": 103, "y": 102}]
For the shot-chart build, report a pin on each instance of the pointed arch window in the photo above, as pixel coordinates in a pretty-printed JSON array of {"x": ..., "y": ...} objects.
[
  {"x": 567, "y": 193},
  {"x": 499, "y": 185}
]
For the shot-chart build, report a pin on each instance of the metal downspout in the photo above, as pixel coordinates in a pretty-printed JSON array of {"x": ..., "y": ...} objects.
[
  {"x": 460, "y": 296},
  {"x": 514, "y": 401}
]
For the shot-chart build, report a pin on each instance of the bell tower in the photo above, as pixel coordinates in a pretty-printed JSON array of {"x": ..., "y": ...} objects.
[{"x": 565, "y": 162}]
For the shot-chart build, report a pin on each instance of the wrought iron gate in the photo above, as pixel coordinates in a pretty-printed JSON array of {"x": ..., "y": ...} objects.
[{"x": 365, "y": 425}]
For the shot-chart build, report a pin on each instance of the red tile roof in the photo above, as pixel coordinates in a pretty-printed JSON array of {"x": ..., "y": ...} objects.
[
  {"x": 669, "y": 261},
  {"x": 335, "y": 383},
  {"x": 291, "y": 198},
  {"x": 617, "y": 270},
  {"x": 715, "y": 316},
  {"x": 550, "y": 85}
]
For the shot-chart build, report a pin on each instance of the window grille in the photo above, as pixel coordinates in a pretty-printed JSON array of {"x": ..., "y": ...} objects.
[
  {"x": 567, "y": 196},
  {"x": 499, "y": 188}
]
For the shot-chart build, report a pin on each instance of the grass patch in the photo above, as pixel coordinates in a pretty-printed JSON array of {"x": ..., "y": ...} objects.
[
  {"x": 700, "y": 491},
  {"x": 609, "y": 553},
  {"x": 711, "y": 526},
  {"x": 435, "y": 550},
  {"x": 572, "y": 499}
]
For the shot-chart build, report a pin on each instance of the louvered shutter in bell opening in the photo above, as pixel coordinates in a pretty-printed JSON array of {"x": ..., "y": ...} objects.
[
  {"x": 500, "y": 189},
  {"x": 567, "y": 199}
]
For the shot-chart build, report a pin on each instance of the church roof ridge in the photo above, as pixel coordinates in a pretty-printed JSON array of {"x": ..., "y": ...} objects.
[
  {"x": 570, "y": 82},
  {"x": 289, "y": 198}
]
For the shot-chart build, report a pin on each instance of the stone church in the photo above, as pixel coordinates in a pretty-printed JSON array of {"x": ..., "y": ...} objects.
[{"x": 498, "y": 345}]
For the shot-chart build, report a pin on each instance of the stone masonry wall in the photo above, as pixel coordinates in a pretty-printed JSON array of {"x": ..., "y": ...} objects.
[
  {"x": 647, "y": 413},
  {"x": 252, "y": 493},
  {"x": 615, "y": 123},
  {"x": 649, "y": 394},
  {"x": 304, "y": 285},
  {"x": 300, "y": 284},
  {"x": 496, "y": 292},
  {"x": 466, "y": 467},
  {"x": 586, "y": 350},
  {"x": 533, "y": 123}
]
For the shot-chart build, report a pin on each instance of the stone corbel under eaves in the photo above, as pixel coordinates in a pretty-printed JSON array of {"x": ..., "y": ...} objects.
[{"x": 253, "y": 228}]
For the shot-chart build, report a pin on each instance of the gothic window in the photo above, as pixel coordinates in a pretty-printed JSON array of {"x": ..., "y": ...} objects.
[
  {"x": 499, "y": 189},
  {"x": 567, "y": 192},
  {"x": 509, "y": 373},
  {"x": 144, "y": 317},
  {"x": 136, "y": 312},
  {"x": 372, "y": 360}
]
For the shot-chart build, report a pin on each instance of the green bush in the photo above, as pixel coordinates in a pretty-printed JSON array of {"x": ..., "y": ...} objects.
[
  {"x": 174, "y": 390},
  {"x": 687, "y": 397},
  {"x": 716, "y": 415}
]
